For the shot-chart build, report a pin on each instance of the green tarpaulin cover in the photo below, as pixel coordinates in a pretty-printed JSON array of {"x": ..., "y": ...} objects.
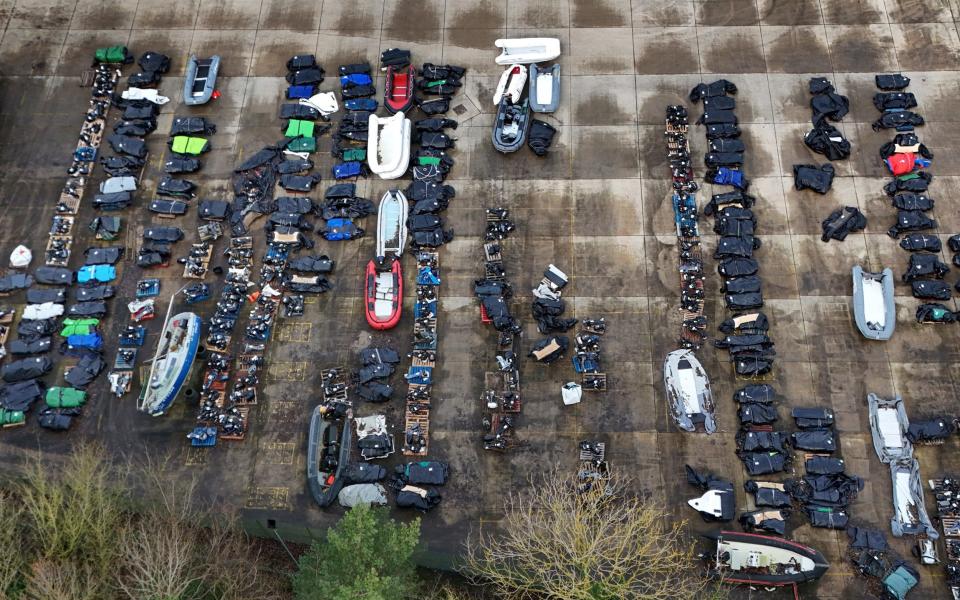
[
  {"x": 355, "y": 154},
  {"x": 111, "y": 54},
  {"x": 183, "y": 144},
  {"x": 78, "y": 327},
  {"x": 297, "y": 127},
  {"x": 428, "y": 160},
  {"x": 64, "y": 397},
  {"x": 302, "y": 144}
]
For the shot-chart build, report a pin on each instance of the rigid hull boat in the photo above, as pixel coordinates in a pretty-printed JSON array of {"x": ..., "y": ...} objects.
[
  {"x": 392, "y": 224},
  {"x": 749, "y": 558},
  {"x": 176, "y": 351},
  {"x": 688, "y": 391},
  {"x": 327, "y": 454}
]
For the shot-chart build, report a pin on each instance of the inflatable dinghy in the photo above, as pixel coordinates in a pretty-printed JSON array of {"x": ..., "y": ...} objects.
[
  {"x": 328, "y": 452},
  {"x": 511, "y": 125},
  {"x": 398, "y": 89},
  {"x": 392, "y": 224},
  {"x": 544, "y": 89},
  {"x": 511, "y": 85},
  {"x": 200, "y": 80},
  {"x": 688, "y": 391},
  {"x": 524, "y": 51},
  {"x": 873, "y": 306},
  {"x": 388, "y": 152},
  {"x": 383, "y": 292}
]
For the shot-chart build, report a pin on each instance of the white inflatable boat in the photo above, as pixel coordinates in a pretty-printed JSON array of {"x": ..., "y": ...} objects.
[
  {"x": 511, "y": 84},
  {"x": 874, "y": 308},
  {"x": 688, "y": 391},
  {"x": 388, "y": 152},
  {"x": 523, "y": 51}
]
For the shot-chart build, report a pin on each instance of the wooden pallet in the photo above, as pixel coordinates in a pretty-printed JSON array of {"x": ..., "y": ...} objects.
[
  {"x": 423, "y": 420},
  {"x": 204, "y": 262},
  {"x": 589, "y": 378},
  {"x": 587, "y": 456},
  {"x": 70, "y": 205},
  {"x": 491, "y": 252},
  {"x": 245, "y": 418},
  {"x": 65, "y": 219},
  {"x": 67, "y": 240}
]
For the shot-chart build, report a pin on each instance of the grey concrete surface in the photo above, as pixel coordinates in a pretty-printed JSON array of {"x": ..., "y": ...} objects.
[{"x": 597, "y": 206}]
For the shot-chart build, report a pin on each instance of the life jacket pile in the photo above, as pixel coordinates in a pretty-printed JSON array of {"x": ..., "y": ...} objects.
[
  {"x": 752, "y": 352},
  {"x": 907, "y": 159}
]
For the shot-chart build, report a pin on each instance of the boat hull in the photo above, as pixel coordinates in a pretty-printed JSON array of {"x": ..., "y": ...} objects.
[
  {"x": 501, "y": 141},
  {"x": 323, "y": 492},
  {"x": 370, "y": 296},
  {"x": 818, "y": 563},
  {"x": 398, "y": 93},
  {"x": 688, "y": 391},
  {"x": 541, "y": 82},
  {"x": 527, "y": 50},
  {"x": 388, "y": 154},
  {"x": 392, "y": 224},
  {"x": 157, "y": 401},
  {"x": 864, "y": 302}
]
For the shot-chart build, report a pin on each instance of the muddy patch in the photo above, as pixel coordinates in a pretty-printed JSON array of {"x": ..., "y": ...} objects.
[
  {"x": 600, "y": 109},
  {"x": 918, "y": 11},
  {"x": 850, "y": 12},
  {"x": 353, "y": 18},
  {"x": 671, "y": 55},
  {"x": 667, "y": 16},
  {"x": 798, "y": 50},
  {"x": 727, "y": 12},
  {"x": 597, "y": 13},
  {"x": 734, "y": 53},
  {"x": 856, "y": 52},
  {"x": 411, "y": 18},
  {"x": 929, "y": 49},
  {"x": 482, "y": 15},
  {"x": 794, "y": 12},
  {"x": 472, "y": 38}
]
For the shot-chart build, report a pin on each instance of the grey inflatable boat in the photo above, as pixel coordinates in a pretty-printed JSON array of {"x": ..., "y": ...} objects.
[
  {"x": 544, "y": 89},
  {"x": 511, "y": 126},
  {"x": 201, "y": 79},
  {"x": 873, "y": 306}
]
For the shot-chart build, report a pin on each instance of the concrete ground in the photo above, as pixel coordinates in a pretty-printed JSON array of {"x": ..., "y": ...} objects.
[{"x": 597, "y": 207}]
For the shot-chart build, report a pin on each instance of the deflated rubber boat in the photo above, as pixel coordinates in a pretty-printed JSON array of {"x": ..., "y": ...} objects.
[
  {"x": 753, "y": 559},
  {"x": 889, "y": 425},
  {"x": 544, "y": 89},
  {"x": 388, "y": 152},
  {"x": 909, "y": 511},
  {"x": 383, "y": 292},
  {"x": 398, "y": 89},
  {"x": 874, "y": 308},
  {"x": 200, "y": 80},
  {"x": 511, "y": 125},
  {"x": 392, "y": 224},
  {"x": 688, "y": 391},
  {"x": 511, "y": 85},
  {"x": 523, "y": 51},
  {"x": 327, "y": 454},
  {"x": 175, "y": 353}
]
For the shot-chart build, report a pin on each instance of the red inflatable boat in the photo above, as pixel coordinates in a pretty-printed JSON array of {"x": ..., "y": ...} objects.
[
  {"x": 383, "y": 291},
  {"x": 398, "y": 93}
]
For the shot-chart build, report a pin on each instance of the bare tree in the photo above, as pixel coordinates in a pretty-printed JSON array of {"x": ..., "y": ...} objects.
[
  {"x": 556, "y": 541},
  {"x": 10, "y": 542}
]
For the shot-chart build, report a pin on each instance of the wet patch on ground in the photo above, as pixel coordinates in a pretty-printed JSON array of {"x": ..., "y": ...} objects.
[{"x": 597, "y": 13}]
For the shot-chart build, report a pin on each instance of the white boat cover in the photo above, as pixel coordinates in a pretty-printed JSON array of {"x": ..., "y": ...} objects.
[
  {"x": 909, "y": 510},
  {"x": 388, "y": 152},
  {"x": 511, "y": 84},
  {"x": 523, "y": 51},
  {"x": 392, "y": 223},
  {"x": 873, "y": 306},
  {"x": 889, "y": 425},
  {"x": 372, "y": 425},
  {"x": 362, "y": 493},
  {"x": 118, "y": 184},
  {"x": 39, "y": 312},
  {"x": 711, "y": 503},
  {"x": 20, "y": 257},
  {"x": 383, "y": 303},
  {"x": 144, "y": 94},
  {"x": 325, "y": 102},
  {"x": 571, "y": 393}
]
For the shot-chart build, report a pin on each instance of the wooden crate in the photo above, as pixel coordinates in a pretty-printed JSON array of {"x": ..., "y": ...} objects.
[
  {"x": 245, "y": 418},
  {"x": 204, "y": 262}
]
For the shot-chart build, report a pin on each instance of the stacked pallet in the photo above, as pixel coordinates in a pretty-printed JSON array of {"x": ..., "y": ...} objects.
[{"x": 420, "y": 379}]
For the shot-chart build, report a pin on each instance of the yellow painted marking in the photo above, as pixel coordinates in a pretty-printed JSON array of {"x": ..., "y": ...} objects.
[
  {"x": 287, "y": 370},
  {"x": 294, "y": 332},
  {"x": 278, "y": 453},
  {"x": 274, "y": 498}
]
